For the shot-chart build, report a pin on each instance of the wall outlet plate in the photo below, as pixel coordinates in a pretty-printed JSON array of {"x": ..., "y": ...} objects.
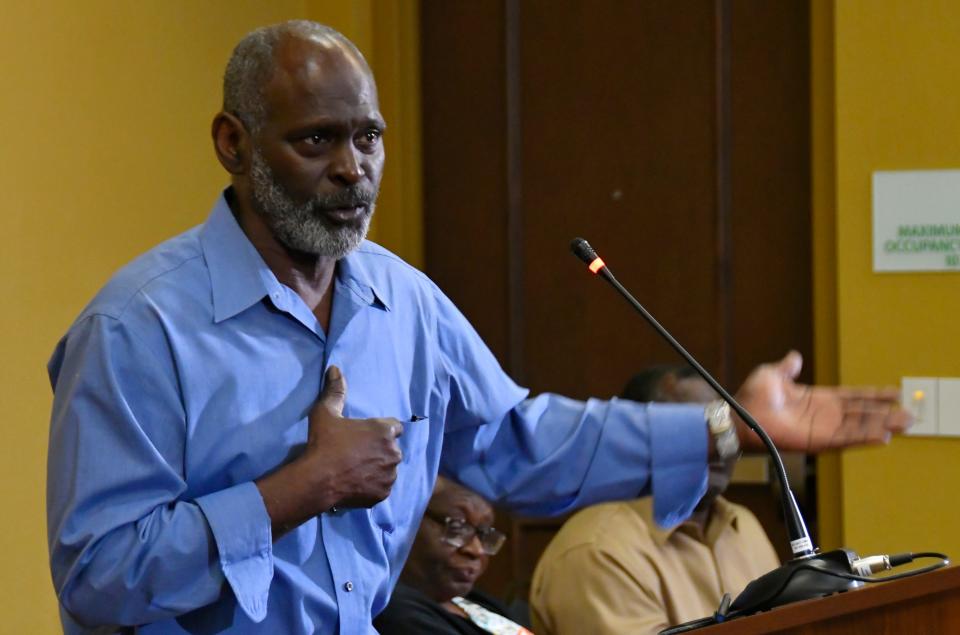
[
  {"x": 919, "y": 395},
  {"x": 948, "y": 407}
]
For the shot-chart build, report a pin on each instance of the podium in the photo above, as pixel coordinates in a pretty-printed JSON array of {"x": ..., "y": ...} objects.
[{"x": 927, "y": 603}]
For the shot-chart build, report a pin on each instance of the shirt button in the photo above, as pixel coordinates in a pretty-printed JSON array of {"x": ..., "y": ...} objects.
[
  {"x": 334, "y": 510},
  {"x": 348, "y": 586}
]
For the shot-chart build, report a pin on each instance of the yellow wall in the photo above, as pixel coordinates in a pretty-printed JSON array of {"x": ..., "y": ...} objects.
[
  {"x": 896, "y": 106},
  {"x": 105, "y": 151},
  {"x": 824, "y": 232}
]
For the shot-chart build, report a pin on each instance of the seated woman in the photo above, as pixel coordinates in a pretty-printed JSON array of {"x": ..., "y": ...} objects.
[{"x": 435, "y": 593}]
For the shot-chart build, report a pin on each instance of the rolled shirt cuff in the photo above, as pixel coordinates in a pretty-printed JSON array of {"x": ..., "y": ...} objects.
[
  {"x": 241, "y": 529},
  {"x": 678, "y": 446}
]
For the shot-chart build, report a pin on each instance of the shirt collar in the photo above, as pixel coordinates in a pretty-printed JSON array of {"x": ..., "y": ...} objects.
[
  {"x": 353, "y": 273},
  {"x": 239, "y": 277},
  {"x": 722, "y": 516}
]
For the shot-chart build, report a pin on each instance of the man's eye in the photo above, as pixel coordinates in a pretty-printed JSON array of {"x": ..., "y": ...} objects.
[
  {"x": 319, "y": 138},
  {"x": 371, "y": 137}
]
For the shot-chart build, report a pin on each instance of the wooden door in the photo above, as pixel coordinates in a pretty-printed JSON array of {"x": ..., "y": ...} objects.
[{"x": 673, "y": 135}]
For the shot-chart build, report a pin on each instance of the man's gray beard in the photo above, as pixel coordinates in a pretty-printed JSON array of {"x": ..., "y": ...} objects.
[{"x": 301, "y": 226}]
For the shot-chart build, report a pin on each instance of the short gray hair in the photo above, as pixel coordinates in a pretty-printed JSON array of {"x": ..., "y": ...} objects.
[{"x": 252, "y": 65}]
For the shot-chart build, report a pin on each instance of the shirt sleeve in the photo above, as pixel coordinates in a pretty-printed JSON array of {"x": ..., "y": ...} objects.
[
  {"x": 589, "y": 590},
  {"x": 549, "y": 455},
  {"x": 127, "y": 545}
]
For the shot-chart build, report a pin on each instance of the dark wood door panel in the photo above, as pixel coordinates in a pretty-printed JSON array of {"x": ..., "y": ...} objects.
[
  {"x": 771, "y": 279},
  {"x": 464, "y": 161},
  {"x": 674, "y": 135},
  {"x": 618, "y": 144}
]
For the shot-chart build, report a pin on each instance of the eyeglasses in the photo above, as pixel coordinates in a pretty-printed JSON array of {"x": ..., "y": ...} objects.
[{"x": 458, "y": 532}]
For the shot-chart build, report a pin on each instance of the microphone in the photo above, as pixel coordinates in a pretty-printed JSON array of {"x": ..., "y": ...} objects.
[{"x": 810, "y": 573}]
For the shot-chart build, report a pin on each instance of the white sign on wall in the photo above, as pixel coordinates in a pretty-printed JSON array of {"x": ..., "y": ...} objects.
[{"x": 916, "y": 220}]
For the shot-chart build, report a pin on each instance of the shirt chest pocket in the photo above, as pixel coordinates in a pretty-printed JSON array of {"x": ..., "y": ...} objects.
[{"x": 415, "y": 477}]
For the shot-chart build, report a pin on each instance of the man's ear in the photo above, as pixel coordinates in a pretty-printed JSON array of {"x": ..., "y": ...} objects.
[{"x": 231, "y": 142}]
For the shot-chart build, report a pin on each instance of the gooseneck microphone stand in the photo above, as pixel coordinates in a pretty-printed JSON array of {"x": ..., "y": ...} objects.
[{"x": 809, "y": 574}]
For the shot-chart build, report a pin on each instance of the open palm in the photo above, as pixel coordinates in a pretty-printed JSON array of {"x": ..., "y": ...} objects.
[{"x": 814, "y": 418}]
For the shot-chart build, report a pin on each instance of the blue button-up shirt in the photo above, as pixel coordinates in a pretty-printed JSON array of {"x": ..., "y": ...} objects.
[{"x": 191, "y": 374}]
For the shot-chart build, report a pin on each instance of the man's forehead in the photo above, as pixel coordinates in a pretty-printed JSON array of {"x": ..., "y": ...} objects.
[
  {"x": 695, "y": 388},
  {"x": 319, "y": 75},
  {"x": 450, "y": 499},
  {"x": 314, "y": 57}
]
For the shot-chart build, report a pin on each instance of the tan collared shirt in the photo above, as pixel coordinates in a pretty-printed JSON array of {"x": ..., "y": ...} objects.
[{"x": 612, "y": 570}]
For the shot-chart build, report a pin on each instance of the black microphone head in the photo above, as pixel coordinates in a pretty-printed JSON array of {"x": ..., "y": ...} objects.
[{"x": 582, "y": 250}]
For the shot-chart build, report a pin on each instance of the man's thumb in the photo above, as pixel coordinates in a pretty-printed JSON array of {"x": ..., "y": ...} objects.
[
  {"x": 334, "y": 393},
  {"x": 791, "y": 364}
]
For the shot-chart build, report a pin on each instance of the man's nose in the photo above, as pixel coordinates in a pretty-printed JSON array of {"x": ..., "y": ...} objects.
[
  {"x": 345, "y": 166},
  {"x": 473, "y": 547}
]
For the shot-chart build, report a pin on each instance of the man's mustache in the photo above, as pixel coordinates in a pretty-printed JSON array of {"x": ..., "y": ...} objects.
[{"x": 354, "y": 196}]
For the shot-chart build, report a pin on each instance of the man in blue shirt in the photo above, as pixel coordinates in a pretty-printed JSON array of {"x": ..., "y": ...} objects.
[{"x": 210, "y": 468}]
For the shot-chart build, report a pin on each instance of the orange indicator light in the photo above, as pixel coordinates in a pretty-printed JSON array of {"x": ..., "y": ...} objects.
[{"x": 597, "y": 265}]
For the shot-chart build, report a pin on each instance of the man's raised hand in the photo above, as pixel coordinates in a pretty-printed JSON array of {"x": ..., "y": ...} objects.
[
  {"x": 361, "y": 454},
  {"x": 814, "y": 418},
  {"x": 346, "y": 462}
]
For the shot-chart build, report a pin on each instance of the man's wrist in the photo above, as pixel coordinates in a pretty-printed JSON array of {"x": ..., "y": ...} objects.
[
  {"x": 749, "y": 441},
  {"x": 725, "y": 441},
  {"x": 293, "y": 494},
  {"x": 711, "y": 445}
]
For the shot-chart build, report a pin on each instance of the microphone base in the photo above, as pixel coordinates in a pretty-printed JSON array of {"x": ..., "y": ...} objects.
[{"x": 800, "y": 579}]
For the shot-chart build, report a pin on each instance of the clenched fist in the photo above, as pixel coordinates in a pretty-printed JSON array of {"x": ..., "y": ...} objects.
[
  {"x": 362, "y": 453},
  {"x": 346, "y": 462}
]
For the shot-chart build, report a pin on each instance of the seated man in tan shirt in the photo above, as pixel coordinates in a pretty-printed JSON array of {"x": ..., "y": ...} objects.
[{"x": 612, "y": 570}]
